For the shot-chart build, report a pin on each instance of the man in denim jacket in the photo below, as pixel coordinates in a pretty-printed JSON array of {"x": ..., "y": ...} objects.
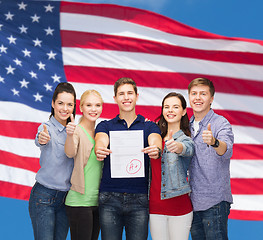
[{"x": 209, "y": 169}]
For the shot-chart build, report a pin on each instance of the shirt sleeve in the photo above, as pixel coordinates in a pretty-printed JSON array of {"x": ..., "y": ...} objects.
[
  {"x": 224, "y": 133},
  {"x": 102, "y": 127},
  {"x": 152, "y": 128},
  {"x": 188, "y": 147}
]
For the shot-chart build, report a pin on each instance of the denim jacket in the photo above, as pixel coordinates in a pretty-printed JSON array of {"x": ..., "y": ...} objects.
[{"x": 175, "y": 166}]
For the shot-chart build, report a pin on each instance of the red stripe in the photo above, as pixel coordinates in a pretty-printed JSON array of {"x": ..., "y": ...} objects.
[
  {"x": 152, "y": 112},
  {"x": 12, "y": 190},
  {"x": 247, "y": 186},
  {"x": 13, "y": 160},
  {"x": 246, "y": 215},
  {"x": 143, "y": 17},
  {"x": 127, "y": 44},
  {"x": 156, "y": 79},
  {"x": 248, "y": 151},
  {"x": 21, "y": 129}
]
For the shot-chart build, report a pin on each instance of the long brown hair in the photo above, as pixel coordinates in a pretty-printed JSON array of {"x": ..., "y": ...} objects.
[
  {"x": 64, "y": 87},
  {"x": 184, "y": 123}
]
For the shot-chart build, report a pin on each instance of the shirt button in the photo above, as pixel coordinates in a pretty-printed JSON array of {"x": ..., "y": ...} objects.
[
  {"x": 163, "y": 185},
  {"x": 163, "y": 173},
  {"x": 164, "y": 195}
]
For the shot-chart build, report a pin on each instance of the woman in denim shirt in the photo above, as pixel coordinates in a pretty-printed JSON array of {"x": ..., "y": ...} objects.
[
  {"x": 170, "y": 206},
  {"x": 46, "y": 203}
]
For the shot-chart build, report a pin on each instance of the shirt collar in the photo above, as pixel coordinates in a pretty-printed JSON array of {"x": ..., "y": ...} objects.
[
  {"x": 57, "y": 124},
  {"x": 139, "y": 118},
  {"x": 206, "y": 119}
]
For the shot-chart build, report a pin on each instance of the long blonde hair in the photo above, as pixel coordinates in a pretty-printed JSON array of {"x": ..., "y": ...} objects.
[{"x": 85, "y": 95}]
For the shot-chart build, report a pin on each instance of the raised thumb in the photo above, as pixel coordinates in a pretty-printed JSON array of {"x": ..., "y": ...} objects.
[
  {"x": 45, "y": 128},
  {"x": 209, "y": 127},
  {"x": 72, "y": 118}
]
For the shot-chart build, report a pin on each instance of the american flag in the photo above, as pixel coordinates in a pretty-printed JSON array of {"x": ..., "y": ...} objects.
[{"x": 43, "y": 43}]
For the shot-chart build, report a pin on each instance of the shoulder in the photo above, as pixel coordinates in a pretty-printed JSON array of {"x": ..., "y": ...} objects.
[
  {"x": 152, "y": 127},
  {"x": 104, "y": 126},
  {"x": 219, "y": 121}
]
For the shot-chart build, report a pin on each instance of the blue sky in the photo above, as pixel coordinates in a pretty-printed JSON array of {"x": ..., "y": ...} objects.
[{"x": 233, "y": 18}]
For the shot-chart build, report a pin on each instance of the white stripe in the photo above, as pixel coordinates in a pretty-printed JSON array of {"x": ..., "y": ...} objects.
[
  {"x": 247, "y": 202},
  {"x": 157, "y": 62},
  {"x": 21, "y": 112},
  {"x": 27, "y": 147},
  {"x": 246, "y": 168},
  {"x": 17, "y": 175},
  {"x": 149, "y": 96},
  {"x": 105, "y": 25},
  {"x": 19, "y": 146},
  {"x": 250, "y": 135}
]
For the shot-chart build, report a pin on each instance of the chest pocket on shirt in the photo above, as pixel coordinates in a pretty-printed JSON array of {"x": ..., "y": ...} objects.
[{"x": 59, "y": 147}]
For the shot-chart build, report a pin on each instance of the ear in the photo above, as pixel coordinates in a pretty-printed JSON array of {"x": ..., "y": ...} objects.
[
  {"x": 114, "y": 97},
  {"x": 184, "y": 112},
  {"x": 52, "y": 104},
  {"x": 212, "y": 99}
]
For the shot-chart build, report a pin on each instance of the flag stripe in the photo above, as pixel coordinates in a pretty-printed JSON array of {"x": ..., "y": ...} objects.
[
  {"x": 248, "y": 168},
  {"x": 17, "y": 175},
  {"x": 176, "y": 80},
  {"x": 13, "y": 160},
  {"x": 246, "y": 215},
  {"x": 241, "y": 202},
  {"x": 11, "y": 190},
  {"x": 131, "y": 60},
  {"x": 222, "y": 101},
  {"x": 246, "y": 186},
  {"x": 119, "y": 43},
  {"x": 247, "y": 151},
  {"x": 126, "y": 23}
]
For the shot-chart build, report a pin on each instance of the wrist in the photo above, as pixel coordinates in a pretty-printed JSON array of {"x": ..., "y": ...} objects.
[
  {"x": 159, "y": 152},
  {"x": 216, "y": 144}
]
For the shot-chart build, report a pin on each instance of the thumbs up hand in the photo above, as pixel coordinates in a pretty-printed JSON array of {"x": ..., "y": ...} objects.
[
  {"x": 70, "y": 128},
  {"x": 207, "y": 135},
  {"x": 43, "y": 136},
  {"x": 172, "y": 145}
]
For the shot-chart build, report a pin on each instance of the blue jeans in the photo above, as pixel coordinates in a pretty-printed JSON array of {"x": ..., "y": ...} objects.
[
  {"x": 211, "y": 224},
  {"x": 118, "y": 210},
  {"x": 48, "y": 214}
]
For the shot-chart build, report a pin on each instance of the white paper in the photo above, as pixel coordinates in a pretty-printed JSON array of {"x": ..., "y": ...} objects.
[{"x": 127, "y": 158}]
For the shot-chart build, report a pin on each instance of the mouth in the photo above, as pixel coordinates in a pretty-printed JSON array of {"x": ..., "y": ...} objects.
[
  {"x": 126, "y": 103},
  {"x": 171, "y": 116},
  {"x": 64, "y": 114},
  {"x": 198, "y": 103}
]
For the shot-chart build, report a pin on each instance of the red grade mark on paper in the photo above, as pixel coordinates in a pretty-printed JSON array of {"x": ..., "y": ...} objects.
[{"x": 134, "y": 166}]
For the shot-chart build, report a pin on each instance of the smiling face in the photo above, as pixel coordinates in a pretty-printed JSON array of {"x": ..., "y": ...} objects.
[
  {"x": 91, "y": 107},
  {"x": 173, "y": 110},
  {"x": 63, "y": 107},
  {"x": 200, "y": 100},
  {"x": 126, "y": 98}
]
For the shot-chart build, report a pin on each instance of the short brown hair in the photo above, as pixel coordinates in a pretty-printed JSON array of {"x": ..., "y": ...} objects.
[
  {"x": 202, "y": 81},
  {"x": 122, "y": 81}
]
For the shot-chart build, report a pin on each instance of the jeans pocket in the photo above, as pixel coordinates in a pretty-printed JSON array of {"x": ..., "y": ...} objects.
[
  {"x": 104, "y": 197},
  {"x": 143, "y": 200}
]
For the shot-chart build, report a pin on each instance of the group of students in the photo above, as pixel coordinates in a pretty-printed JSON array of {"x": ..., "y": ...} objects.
[{"x": 185, "y": 186}]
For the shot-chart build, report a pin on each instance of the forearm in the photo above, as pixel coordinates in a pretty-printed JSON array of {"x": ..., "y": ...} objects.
[
  {"x": 70, "y": 146},
  {"x": 221, "y": 149}
]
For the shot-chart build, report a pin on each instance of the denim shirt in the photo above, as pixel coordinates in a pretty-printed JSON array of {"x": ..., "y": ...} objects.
[
  {"x": 56, "y": 167},
  {"x": 175, "y": 166}
]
